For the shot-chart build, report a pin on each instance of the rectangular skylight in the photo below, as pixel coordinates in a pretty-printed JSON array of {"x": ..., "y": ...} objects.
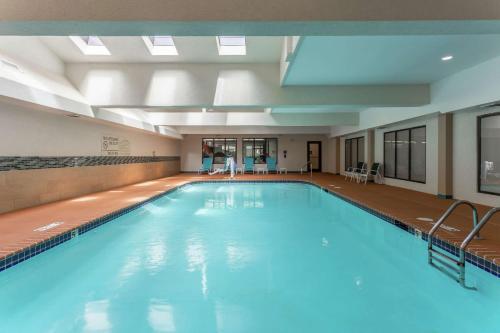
[
  {"x": 231, "y": 45},
  {"x": 160, "y": 45},
  {"x": 90, "y": 45}
]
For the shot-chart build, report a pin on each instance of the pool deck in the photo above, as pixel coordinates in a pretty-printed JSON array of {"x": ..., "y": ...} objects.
[{"x": 18, "y": 229}]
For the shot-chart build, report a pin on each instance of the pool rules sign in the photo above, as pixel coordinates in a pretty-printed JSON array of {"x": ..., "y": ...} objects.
[{"x": 115, "y": 146}]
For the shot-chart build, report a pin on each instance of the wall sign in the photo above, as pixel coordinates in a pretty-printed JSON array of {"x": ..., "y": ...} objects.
[{"x": 115, "y": 146}]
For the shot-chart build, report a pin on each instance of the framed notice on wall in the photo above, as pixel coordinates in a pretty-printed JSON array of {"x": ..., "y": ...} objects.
[{"x": 115, "y": 146}]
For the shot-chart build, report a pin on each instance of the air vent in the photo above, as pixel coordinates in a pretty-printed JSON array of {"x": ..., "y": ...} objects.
[{"x": 4, "y": 64}]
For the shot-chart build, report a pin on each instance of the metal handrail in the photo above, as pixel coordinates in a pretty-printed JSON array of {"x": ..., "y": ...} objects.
[
  {"x": 475, "y": 232},
  {"x": 448, "y": 213},
  {"x": 310, "y": 169}
]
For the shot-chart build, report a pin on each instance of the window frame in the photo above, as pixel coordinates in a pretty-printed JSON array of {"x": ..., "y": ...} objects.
[
  {"x": 350, "y": 148},
  {"x": 225, "y": 145},
  {"x": 253, "y": 148},
  {"x": 478, "y": 154},
  {"x": 409, "y": 129}
]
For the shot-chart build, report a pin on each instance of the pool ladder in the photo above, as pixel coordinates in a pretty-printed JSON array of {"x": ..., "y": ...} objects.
[{"x": 447, "y": 263}]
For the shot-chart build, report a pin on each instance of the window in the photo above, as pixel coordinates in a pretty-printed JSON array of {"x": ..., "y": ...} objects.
[
  {"x": 231, "y": 45},
  {"x": 219, "y": 149},
  {"x": 260, "y": 148},
  {"x": 160, "y": 45},
  {"x": 488, "y": 128},
  {"x": 354, "y": 152},
  {"x": 90, "y": 45},
  {"x": 404, "y": 154}
]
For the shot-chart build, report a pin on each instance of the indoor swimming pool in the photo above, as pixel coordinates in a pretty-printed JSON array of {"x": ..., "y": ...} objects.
[{"x": 247, "y": 257}]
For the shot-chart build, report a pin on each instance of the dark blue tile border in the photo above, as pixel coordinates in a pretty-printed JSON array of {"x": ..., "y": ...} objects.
[
  {"x": 49, "y": 162},
  {"x": 33, "y": 250}
]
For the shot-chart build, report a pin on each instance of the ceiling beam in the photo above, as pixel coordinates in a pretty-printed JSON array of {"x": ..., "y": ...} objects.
[
  {"x": 257, "y": 17},
  {"x": 242, "y": 10},
  {"x": 253, "y": 28},
  {"x": 253, "y": 130},
  {"x": 251, "y": 119}
]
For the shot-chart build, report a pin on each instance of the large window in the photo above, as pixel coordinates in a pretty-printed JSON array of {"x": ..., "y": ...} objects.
[
  {"x": 260, "y": 148},
  {"x": 219, "y": 149},
  {"x": 404, "y": 154},
  {"x": 354, "y": 152},
  {"x": 489, "y": 153}
]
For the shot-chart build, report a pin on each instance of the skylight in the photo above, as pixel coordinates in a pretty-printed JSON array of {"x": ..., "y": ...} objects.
[
  {"x": 160, "y": 45},
  {"x": 90, "y": 45},
  {"x": 231, "y": 45}
]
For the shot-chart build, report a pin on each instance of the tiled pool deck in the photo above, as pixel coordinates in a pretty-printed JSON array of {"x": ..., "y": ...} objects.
[{"x": 27, "y": 232}]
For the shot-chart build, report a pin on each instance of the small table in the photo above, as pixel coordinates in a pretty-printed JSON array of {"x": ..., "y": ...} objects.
[
  {"x": 281, "y": 170},
  {"x": 239, "y": 169},
  {"x": 263, "y": 170}
]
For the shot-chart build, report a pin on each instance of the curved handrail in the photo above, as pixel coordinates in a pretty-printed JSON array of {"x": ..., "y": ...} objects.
[
  {"x": 469, "y": 238},
  {"x": 478, "y": 227},
  {"x": 305, "y": 165},
  {"x": 448, "y": 213}
]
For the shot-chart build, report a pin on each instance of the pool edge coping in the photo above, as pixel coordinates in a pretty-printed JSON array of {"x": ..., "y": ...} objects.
[{"x": 12, "y": 259}]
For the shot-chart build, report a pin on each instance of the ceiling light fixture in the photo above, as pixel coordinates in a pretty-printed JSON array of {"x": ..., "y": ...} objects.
[
  {"x": 90, "y": 45},
  {"x": 231, "y": 45},
  {"x": 160, "y": 45},
  {"x": 447, "y": 57}
]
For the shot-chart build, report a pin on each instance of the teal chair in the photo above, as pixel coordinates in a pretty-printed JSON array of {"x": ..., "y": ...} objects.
[
  {"x": 249, "y": 167},
  {"x": 207, "y": 165},
  {"x": 271, "y": 164}
]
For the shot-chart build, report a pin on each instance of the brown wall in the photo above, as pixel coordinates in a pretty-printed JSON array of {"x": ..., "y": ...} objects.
[{"x": 27, "y": 188}]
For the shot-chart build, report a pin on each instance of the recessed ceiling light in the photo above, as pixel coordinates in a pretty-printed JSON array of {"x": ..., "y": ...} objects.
[
  {"x": 447, "y": 57},
  {"x": 231, "y": 45},
  {"x": 160, "y": 45},
  {"x": 90, "y": 45}
]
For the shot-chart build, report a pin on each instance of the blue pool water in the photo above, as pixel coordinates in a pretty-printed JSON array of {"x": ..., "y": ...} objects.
[{"x": 244, "y": 258}]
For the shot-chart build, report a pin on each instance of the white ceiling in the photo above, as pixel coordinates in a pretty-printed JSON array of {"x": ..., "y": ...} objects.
[
  {"x": 191, "y": 50},
  {"x": 356, "y": 60}
]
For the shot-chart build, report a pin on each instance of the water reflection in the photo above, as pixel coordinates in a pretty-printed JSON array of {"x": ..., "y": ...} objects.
[
  {"x": 96, "y": 316},
  {"x": 156, "y": 256},
  {"x": 161, "y": 316}
]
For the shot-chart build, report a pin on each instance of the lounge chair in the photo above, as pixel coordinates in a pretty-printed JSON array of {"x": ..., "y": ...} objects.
[
  {"x": 249, "y": 165},
  {"x": 227, "y": 167},
  {"x": 374, "y": 172},
  {"x": 206, "y": 165},
  {"x": 271, "y": 165},
  {"x": 352, "y": 172}
]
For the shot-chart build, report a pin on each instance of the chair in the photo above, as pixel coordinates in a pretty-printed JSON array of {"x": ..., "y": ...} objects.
[
  {"x": 353, "y": 171},
  {"x": 206, "y": 165},
  {"x": 249, "y": 165},
  {"x": 271, "y": 164},
  {"x": 364, "y": 174}
]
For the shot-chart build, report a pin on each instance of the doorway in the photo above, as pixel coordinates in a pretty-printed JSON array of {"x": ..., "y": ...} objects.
[{"x": 314, "y": 155}]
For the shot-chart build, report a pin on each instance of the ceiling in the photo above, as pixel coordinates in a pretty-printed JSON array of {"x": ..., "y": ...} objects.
[
  {"x": 355, "y": 60},
  {"x": 191, "y": 50}
]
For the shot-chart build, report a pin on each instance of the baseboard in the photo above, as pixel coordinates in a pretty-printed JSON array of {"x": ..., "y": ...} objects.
[{"x": 445, "y": 196}]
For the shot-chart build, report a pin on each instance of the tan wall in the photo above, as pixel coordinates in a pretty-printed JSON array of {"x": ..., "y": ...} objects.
[{"x": 27, "y": 188}]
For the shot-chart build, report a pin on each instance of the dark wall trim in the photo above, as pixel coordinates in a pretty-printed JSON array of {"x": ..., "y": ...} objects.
[
  {"x": 47, "y": 162},
  {"x": 409, "y": 154},
  {"x": 351, "y": 140},
  {"x": 478, "y": 155}
]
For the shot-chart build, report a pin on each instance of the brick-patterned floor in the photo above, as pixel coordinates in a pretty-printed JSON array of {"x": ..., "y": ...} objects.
[{"x": 17, "y": 229}]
